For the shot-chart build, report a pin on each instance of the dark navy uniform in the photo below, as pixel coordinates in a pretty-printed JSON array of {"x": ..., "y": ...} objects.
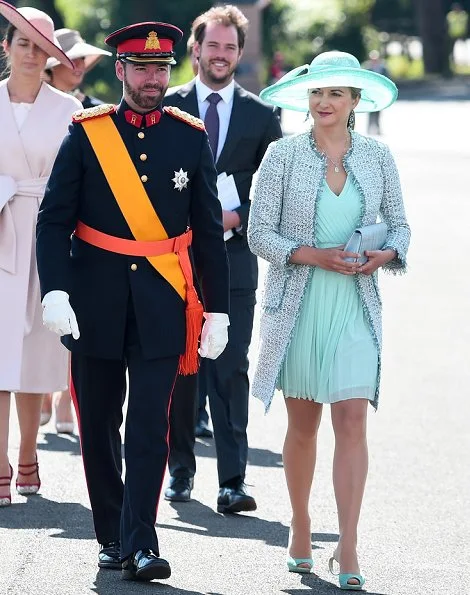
[
  {"x": 253, "y": 126},
  {"x": 130, "y": 317}
]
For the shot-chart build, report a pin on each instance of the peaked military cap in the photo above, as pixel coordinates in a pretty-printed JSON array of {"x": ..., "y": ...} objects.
[{"x": 145, "y": 42}]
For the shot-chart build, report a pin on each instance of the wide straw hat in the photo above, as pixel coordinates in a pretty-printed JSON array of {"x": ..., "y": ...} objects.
[
  {"x": 75, "y": 47},
  {"x": 331, "y": 69},
  {"x": 36, "y": 26}
]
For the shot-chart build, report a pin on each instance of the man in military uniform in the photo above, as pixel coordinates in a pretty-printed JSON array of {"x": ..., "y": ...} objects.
[{"x": 116, "y": 276}]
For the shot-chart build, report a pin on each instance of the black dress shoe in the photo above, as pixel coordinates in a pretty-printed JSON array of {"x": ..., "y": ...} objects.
[
  {"x": 110, "y": 555},
  {"x": 144, "y": 565},
  {"x": 179, "y": 489},
  {"x": 202, "y": 430},
  {"x": 235, "y": 499}
]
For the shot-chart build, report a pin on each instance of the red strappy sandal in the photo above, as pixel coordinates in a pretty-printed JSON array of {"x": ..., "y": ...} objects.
[
  {"x": 6, "y": 500},
  {"x": 28, "y": 489}
]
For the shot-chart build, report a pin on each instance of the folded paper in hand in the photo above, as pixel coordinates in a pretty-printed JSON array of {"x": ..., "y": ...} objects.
[
  {"x": 228, "y": 196},
  {"x": 369, "y": 237}
]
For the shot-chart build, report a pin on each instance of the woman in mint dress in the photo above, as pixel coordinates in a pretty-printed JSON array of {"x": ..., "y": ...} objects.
[
  {"x": 332, "y": 355},
  {"x": 321, "y": 321}
]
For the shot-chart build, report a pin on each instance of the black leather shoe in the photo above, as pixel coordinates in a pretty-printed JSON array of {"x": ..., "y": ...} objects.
[
  {"x": 179, "y": 489},
  {"x": 110, "y": 556},
  {"x": 235, "y": 500},
  {"x": 202, "y": 430},
  {"x": 144, "y": 565}
]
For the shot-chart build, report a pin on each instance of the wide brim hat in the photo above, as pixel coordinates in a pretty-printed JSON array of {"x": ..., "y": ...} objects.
[
  {"x": 145, "y": 43},
  {"x": 76, "y": 47},
  {"x": 331, "y": 69},
  {"x": 37, "y": 26}
]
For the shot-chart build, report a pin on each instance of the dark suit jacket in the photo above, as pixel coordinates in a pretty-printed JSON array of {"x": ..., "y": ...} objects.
[
  {"x": 101, "y": 283},
  {"x": 253, "y": 125}
]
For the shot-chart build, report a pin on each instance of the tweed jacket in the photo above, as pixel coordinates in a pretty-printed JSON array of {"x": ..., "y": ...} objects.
[{"x": 284, "y": 195}]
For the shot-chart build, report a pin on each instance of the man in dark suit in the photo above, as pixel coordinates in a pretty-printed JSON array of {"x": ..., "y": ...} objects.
[
  {"x": 116, "y": 276},
  {"x": 240, "y": 127}
]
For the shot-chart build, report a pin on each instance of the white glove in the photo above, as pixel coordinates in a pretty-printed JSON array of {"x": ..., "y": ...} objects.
[
  {"x": 214, "y": 336},
  {"x": 57, "y": 314}
]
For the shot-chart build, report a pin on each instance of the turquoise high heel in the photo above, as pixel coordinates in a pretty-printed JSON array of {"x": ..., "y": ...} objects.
[
  {"x": 344, "y": 584},
  {"x": 293, "y": 564},
  {"x": 345, "y": 577}
]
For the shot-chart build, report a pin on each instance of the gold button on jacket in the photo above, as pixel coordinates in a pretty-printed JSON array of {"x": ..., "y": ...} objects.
[
  {"x": 133, "y": 267},
  {"x": 143, "y": 157},
  {"x": 144, "y": 178},
  {"x": 141, "y": 135}
]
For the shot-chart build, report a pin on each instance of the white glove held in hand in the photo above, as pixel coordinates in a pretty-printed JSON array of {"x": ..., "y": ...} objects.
[
  {"x": 214, "y": 335},
  {"x": 57, "y": 314}
]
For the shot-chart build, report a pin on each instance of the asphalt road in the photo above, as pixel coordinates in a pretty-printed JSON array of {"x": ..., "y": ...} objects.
[{"x": 415, "y": 527}]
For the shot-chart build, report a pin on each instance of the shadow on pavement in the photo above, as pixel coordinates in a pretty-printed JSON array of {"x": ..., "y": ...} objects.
[
  {"x": 205, "y": 521},
  {"x": 110, "y": 583},
  {"x": 71, "y": 520},
  {"x": 322, "y": 587},
  {"x": 60, "y": 443},
  {"x": 259, "y": 457},
  {"x": 456, "y": 88},
  {"x": 63, "y": 443}
]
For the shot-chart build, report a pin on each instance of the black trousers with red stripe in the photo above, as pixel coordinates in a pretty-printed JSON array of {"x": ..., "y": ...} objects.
[{"x": 124, "y": 511}]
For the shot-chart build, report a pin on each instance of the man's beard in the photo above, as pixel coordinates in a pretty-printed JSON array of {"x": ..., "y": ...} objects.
[
  {"x": 213, "y": 78},
  {"x": 143, "y": 101}
]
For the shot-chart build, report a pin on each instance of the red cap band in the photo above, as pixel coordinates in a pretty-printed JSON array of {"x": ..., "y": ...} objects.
[{"x": 142, "y": 46}]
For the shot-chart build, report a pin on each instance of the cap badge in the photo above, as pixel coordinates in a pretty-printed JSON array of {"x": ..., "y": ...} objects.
[
  {"x": 181, "y": 179},
  {"x": 152, "y": 42}
]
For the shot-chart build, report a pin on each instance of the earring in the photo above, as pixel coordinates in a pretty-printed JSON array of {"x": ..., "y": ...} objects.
[
  {"x": 352, "y": 120},
  {"x": 307, "y": 116}
]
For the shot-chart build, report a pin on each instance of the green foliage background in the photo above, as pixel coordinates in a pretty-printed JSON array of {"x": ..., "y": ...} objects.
[{"x": 299, "y": 28}]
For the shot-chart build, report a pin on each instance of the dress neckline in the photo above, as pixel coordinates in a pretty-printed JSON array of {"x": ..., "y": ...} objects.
[{"x": 346, "y": 183}]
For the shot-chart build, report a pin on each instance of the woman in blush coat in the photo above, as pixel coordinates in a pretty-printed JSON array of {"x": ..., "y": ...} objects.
[
  {"x": 321, "y": 322},
  {"x": 33, "y": 120}
]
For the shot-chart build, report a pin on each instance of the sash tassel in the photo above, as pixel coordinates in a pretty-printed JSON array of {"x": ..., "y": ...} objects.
[{"x": 189, "y": 361}]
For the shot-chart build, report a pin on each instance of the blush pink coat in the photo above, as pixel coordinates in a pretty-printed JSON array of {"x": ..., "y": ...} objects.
[{"x": 32, "y": 359}]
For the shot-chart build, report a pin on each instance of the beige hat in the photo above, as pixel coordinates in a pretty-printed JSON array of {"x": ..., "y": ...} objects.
[
  {"x": 75, "y": 47},
  {"x": 38, "y": 27}
]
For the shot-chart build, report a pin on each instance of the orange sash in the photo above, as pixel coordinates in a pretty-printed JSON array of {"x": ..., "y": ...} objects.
[{"x": 145, "y": 225}]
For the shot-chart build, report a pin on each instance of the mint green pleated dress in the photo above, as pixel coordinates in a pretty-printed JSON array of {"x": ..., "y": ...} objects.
[{"x": 332, "y": 355}]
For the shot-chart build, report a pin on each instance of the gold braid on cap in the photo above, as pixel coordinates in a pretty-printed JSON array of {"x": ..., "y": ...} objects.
[{"x": 178, "y": 114}]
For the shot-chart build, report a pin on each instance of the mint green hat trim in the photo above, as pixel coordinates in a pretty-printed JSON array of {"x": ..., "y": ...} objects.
[{"x": 291, "y": 91}]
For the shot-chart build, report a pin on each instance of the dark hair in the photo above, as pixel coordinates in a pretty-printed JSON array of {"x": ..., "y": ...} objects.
[
  {"x": 8, "y": 37},
  {"x": 355, "y": 93},
  {"x": 227, "y": 15},
  {"x": 10, "y": 30}
]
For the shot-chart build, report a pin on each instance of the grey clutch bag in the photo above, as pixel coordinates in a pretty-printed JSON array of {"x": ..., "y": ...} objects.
[{"x": 369, "y": 237}]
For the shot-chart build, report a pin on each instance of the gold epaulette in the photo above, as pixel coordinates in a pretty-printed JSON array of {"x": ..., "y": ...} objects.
[
  {"x": 184, "y": 117},
  {"x": 93, "y": 112}
]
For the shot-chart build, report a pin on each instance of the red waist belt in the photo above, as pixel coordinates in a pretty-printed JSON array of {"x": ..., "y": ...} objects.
[
  {"x": 133, "y": 247},
  {"x": 189, "y": 362}
]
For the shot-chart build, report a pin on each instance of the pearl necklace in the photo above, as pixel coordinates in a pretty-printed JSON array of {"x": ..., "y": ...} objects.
[{"x": 337, "y": 164}]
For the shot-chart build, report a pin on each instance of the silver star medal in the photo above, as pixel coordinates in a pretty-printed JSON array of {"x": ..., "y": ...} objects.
[{"x": 181, "y": 179}]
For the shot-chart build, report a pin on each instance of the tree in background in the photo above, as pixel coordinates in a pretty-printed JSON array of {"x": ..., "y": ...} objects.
[
  {"x": 300, "y": 29},
  {"x": 303, "y": 29},
  {"x": 432, "y": 26},
  {"x": 96, "y": 18}
]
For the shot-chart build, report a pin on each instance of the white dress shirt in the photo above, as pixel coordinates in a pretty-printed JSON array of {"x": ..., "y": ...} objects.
[{"x": 224, "y": 108}]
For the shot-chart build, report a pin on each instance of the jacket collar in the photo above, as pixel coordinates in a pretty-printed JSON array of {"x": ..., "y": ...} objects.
[{"x": 139, "y": 120}]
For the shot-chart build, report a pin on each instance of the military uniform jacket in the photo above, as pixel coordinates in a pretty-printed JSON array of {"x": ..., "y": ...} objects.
[
  {"x": 101, "y": 284},
  {"x": 253, "y": 126}
]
